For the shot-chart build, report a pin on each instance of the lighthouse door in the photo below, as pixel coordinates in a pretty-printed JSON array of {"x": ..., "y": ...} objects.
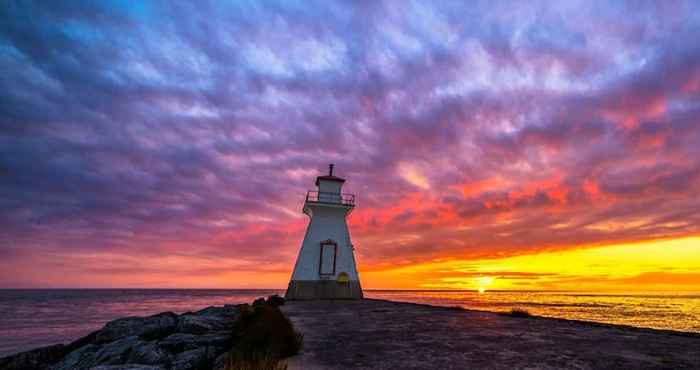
[{"x": 326, "y": 264}]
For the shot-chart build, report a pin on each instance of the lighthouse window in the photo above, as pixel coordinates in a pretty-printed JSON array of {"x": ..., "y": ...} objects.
[{"x": 327, "y": 259}]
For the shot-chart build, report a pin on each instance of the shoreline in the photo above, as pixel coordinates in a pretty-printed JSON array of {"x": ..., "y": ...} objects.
[
  {"x": 458, "y": 308},
  {"x": 380, "y": 333},
  {"x": 534, "y": 316},
  {"x": 384, "y": 334},
  {"x": 453, "y": 307},
  {"x": 672, "y": 310}
]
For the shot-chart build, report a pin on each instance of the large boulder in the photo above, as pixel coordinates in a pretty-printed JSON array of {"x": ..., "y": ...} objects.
[
  {"x": 151, "y": 327},
  {"x": 221, "y": 361},
  {"x": 180, "y": 342},
  {"x": 202, "y": 324},
  {"x": 91, "y": 355},
  {"x": 148, "y": 353},
  {"x": 200, "y": 358},
  {"x": 228, "y": 311},
  {"x": 81, "y": 358},
  {"x": 128, "y": 367}
]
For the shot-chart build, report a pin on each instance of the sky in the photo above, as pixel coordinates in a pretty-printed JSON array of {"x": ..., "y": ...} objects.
[{"x": 495, "y": 144}]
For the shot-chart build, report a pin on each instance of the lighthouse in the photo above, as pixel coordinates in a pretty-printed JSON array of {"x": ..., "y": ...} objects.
[{"x": 325, "y": 267}]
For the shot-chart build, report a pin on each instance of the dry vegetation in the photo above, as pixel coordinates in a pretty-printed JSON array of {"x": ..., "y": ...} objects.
[
  {"x": 518, "y": 312},
  {"x": 263, "y": 336}
]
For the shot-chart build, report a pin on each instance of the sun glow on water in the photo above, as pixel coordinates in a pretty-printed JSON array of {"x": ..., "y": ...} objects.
[{"x": 653, "y": 309}]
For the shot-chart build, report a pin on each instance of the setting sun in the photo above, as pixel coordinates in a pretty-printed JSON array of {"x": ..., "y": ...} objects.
[{"x": 652, "y": 265}]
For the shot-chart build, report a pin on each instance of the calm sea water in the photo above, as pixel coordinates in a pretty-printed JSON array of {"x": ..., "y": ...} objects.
[{"x": 32, "y": 318}]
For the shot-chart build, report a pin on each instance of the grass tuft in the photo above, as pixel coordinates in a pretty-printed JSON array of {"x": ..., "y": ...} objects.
[
  {"x": 206, "y": 362},
  {"x": 262, "y": 336},
  {"x": 275, "y": 300},
  {"x": 254, "y": 363},
  {"x": 518, "y": 312}
]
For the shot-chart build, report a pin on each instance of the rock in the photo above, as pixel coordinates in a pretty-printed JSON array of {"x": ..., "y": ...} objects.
[
  {"x": 164, "y": 341},
  {"x": 37, "y": 359},
  {"x": 193, "y": 359},
  {"x": 88, "y": 339},
  {"x": 91, "y": 355},
  {"x": 180, "y": 342},
  {"x": 151, "y": 327},
  {"x": 117, "y": 352},
  {"x": 202, "y": 324},
  {"x": 81, "y": 358},
  {"x": 259, "y": 302},
  {"x": 148, "y": 353},
  {"x": 221, "y": 361},
  {"x": 228, "y": 311},
  {"x": 128, "y": 367}
]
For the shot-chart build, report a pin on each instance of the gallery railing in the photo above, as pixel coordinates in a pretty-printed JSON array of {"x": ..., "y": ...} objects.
[{"x": 332, "y": 198}]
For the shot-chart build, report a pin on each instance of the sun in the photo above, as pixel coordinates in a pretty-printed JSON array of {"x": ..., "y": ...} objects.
[{"x": 482, "y": 282}]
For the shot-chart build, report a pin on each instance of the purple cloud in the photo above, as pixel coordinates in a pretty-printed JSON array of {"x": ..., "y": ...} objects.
[{"x": 193, "y": 131}]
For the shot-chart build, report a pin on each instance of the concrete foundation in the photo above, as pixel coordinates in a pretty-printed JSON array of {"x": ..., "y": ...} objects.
[{"x": 323, "y": 289}]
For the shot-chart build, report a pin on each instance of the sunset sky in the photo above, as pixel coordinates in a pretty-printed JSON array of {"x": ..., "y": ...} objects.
[{"x": 503, "y": 145}]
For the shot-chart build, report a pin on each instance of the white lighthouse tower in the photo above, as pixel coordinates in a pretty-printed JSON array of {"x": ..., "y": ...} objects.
[{"x": 325, "y": 267}]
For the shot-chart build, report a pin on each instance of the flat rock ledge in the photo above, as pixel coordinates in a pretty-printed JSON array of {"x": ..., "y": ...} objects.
[
  {"x": 376, "y": 334},
  {"x": 373, "y": 334},
  {"x": 165, "y": 341}
]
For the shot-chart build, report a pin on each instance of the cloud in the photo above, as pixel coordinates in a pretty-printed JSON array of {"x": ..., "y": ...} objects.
[{"x": 495, "y": 129}]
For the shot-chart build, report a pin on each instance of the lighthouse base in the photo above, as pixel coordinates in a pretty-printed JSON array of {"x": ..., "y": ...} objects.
[{"x": 323, "y": 289}]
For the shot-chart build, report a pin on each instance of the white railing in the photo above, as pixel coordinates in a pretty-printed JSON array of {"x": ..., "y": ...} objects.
[{"x": 332, "y": 198}]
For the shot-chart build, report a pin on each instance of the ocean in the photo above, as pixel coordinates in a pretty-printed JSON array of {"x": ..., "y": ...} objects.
[{"x": 33, "y": 318}]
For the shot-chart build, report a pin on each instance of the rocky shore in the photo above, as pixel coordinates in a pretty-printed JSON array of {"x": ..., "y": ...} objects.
[
  {"x": 193, "y": 340},
  {"x": 371, "y": 334}
]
